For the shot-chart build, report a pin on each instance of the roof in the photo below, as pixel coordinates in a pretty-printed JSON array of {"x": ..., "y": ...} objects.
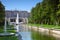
[{"x": 23, "y": 14}]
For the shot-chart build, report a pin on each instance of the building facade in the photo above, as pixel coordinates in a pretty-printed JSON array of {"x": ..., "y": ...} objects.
[{"x": 11, "y": 16}]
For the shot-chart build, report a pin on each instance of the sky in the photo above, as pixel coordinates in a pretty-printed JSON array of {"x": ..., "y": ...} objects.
[{"x": 22, "y": 5}]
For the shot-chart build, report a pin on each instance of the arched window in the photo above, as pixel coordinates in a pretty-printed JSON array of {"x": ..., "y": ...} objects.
[
  {"x": 12, "y": 20},
  {"x": 20, "y": 20}
]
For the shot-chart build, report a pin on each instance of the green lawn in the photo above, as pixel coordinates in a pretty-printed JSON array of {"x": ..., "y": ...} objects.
[
  {"x": 8, "y": 37},
  {"x": 34, "y": 24},
  {"x": 11, "y": 29},
  {"x": 1, "y": 30},
  {"x": 45, "y": 26}
]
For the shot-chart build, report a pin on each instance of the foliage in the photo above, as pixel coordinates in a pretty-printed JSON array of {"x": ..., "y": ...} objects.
[
  {"x": 46, "y": 12},
  {"x": 2, "y": 11}
]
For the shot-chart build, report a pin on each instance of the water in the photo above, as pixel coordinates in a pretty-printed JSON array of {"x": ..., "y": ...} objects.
[
  {"x": 39, "y": 36},
  {"x": 26, "y": 35},
  {"x": 33, "y": 35}
]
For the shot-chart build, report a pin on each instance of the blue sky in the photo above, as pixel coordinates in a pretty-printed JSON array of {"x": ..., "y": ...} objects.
[{"x": 20, "y": 4}]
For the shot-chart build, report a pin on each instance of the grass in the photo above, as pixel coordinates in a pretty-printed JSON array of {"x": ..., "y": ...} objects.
[
  {"x": 8, "y": 30},
  {"x": 34, "y": 24},
  {"x": 45, "y": 26},
  {"x": 8, "y": 37},
  {"x": 11, "y": 31},
  {"x": 1, "y": 30}
]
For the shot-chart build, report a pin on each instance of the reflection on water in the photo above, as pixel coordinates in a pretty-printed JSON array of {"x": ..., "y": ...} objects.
[
  {"x": 35, "y": 36},
  {"x": 32, "y": 35},
  {"x": 26, "y": 35},
  {"x": 39, "y": 36}
]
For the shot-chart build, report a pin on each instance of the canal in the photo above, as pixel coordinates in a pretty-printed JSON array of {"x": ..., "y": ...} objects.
[{"x": 27, "y": 34}]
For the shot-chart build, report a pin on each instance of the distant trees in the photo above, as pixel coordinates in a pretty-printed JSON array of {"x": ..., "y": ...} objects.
[
  {"x": 46, "y": 12},
  {"x": 2, "y": 11}
]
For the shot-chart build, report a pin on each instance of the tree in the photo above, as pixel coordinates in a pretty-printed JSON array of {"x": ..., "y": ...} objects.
[
  {"x": 46, "y": 12},
  {"x": 58, "y": 14},
  {"x": 2, "y": 11}
]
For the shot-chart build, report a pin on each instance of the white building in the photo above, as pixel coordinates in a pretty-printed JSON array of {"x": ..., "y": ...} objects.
[{"x": 11, "y": 16}]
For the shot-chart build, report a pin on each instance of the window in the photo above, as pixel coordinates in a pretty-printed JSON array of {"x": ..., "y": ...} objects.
[
  {"x": 20, "y": 20},
  {"x": 12, "y": 20}
]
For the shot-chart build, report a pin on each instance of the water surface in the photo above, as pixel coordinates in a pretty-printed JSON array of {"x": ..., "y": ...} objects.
[{"x": 34, "y": 35}]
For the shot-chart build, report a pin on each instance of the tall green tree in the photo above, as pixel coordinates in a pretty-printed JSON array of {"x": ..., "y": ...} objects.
[
  {"x": 46, "y": 12},
  {"x": 58, "y": 14},
  {"x": 2, "y": 13}
]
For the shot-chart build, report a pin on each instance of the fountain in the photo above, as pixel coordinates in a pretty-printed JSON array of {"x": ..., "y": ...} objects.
[
  {"x": 17, "y": 28},
  {"x": 5, "y": 26},
  {"x": 5, "y": 31},
  {"x": 17, "y": 25}
]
